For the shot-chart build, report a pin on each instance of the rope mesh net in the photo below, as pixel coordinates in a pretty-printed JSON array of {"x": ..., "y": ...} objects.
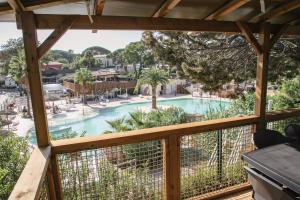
[
  {"x": 133, "y": 171},
  {"x": 44, "y": 192},
  {"x": 211, "y": 161}
]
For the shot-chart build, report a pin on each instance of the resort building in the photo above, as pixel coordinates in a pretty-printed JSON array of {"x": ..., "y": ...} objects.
[
  {"x": 104, "y": 80},
  {"x": 56, "y": 66},
  {"x": 106, "y": 62},
  {"x": 169, "y": 89},
  {"x": 196, "y": 160}
]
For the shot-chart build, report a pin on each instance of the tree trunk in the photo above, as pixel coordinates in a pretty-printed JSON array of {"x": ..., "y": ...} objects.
[
  {"x": 135, "y": 71},
  {"x": 83, "y": 87},
  {"x": 154, "y": 97},
  {"x": 28, "y": 103}
]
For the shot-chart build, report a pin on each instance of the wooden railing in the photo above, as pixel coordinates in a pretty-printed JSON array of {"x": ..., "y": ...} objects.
[
  {"x": 96, "y": 156},
  {"x": 31, "y": 183}
]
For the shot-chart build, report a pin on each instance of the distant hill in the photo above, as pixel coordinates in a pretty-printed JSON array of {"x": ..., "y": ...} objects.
[
  {"x": 97, "y": 50},
  {"x": 61, "y": 56}
]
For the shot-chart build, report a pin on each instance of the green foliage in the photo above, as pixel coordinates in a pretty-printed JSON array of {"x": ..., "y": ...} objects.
[
  {"x": 13, "y": 157},
  {"x": 140, "y": 120},
  {"x": 135, "y": 53},
  {"x": 17, "y": 66},
  {"x": 96, "y": 50},
  {"x": 17, "y": 69},
  {"x": 155, "y": 118},
  {"x": 112, "y": 183},
  {"x": 8, "y": 50},
  {"x": 153, "y": 77},
  {"x": 65, "y": 134},
  {"x": 288, "y": 96},
  {"x": 117, "y": 57},
  {"x": 83, "y": 76},
  {"x": 205, "y": 179},
  {"x": 215, "y": 59}
]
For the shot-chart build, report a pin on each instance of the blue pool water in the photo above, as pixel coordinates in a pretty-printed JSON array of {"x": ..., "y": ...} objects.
[{"x": 97, "y": 125}]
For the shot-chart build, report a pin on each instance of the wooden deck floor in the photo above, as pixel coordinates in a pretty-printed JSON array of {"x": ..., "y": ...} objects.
[{"x": 245, "y": 195}]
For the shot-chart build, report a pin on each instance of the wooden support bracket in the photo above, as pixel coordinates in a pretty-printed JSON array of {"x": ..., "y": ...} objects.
[
  {"x": 16, "y": 5},
  {"x": 246, "y": 31},
  {"x": 55, "y": 36},
  {"x": 278, "y": 34},
  {"x": 227, "y": 9},
  {"x": 165, "y": 8}
]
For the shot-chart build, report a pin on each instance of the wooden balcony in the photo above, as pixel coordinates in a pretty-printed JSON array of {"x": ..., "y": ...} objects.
[
  {"x": 190, "y": 161},
  {"x": 199, "y": 160}
]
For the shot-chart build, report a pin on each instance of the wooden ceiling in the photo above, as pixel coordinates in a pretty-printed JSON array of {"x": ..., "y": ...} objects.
[{"x": 155, "y": 11}]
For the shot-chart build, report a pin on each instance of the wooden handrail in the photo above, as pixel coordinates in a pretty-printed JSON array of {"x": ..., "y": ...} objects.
[
  {"x": 30, "y": 182},
  {"x": 136, "y": 136},
  {"x": 282, "y": 114}
]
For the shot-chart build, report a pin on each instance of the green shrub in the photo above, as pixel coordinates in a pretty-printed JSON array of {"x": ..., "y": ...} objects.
[
  {"x": 13, "y": 157},
  {"x": 206, "y": 180}
]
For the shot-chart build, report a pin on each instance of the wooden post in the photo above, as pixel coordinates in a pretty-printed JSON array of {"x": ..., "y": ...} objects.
[
  {"x": 262, "y": 75},
  {"x": 34, "y": 78},
  {"x": 171, "y": 151},
  {"x": 35, "y": 84},
  {"x": 56, "y": 177},
  {"x": 262, "y": 48}
]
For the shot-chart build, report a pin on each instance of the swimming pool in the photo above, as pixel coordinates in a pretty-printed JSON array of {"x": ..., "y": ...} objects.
[{"x": 97, "y": 125}]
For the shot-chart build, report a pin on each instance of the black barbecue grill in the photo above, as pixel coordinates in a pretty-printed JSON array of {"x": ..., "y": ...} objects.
[{"x": 275, "y": 172}]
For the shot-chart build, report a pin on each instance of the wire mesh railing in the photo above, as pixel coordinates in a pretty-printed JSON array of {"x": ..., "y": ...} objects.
[
  {"x": 211, "y": 161},
  {"x": 280, "y": 125},
  {"x": 44, "y": 192},
  {"x": 133, "y": 171},
  {"x": 204, "y": 158}
]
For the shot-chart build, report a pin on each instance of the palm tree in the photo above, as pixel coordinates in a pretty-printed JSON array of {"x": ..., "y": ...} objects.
[
  {"x": 153, "y": 77},
  {"x": 17, "y": 69},
  {"x": 83, "y": 76}
]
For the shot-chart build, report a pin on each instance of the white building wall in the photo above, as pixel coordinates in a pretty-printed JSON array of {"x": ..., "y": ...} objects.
[
  {"x": 170, "y": 88},
  {"x": 9, "y": 82}
]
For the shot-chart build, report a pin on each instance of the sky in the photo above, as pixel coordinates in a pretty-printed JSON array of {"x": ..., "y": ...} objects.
[{"x": 77, "y": 40}]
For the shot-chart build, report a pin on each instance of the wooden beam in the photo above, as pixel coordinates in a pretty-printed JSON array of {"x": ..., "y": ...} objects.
[
  {"x": 138, "y": 23},
  {"x": 149, "y": 23},
  {"x": 249, "y": 36},
  {"x": 284, "y": 8},
  {"x": 282, "y": 114},
  {"x": 264, "y": 5},
  {"x": 226, "y": 9},
  {"x": 30, "y": 182},
  {"x": 258, "y": 16},
  {"x": 165, "y": 8},
  {"x": 55, "y": 36},
  {"x": 99, "y": 7},
  {"x": 277, "y": 35},
  {"x": 16, "y": 5},
  {"x": 130, "y": 137},
  {"x": 34, "y": 77},
  {"x": 262, "y": 76}
]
